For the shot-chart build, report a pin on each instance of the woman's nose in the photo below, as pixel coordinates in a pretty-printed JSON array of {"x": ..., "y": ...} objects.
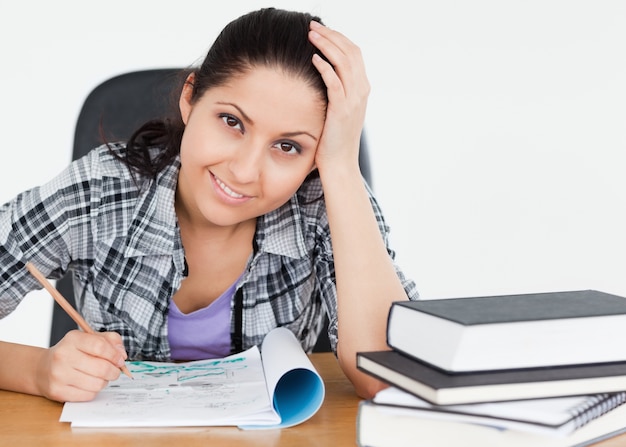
[{"x": 245, "y": 164}]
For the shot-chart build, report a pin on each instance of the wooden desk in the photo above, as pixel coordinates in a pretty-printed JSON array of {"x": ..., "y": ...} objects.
[
  {"x": 30, "y": 421},
  {"x": 27, "y": 421}
]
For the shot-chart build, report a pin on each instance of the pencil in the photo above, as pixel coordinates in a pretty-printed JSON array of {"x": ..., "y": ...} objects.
[{"x": 67, "y": 307}]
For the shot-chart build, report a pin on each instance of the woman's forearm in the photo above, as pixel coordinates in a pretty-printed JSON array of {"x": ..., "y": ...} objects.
[{"x": 367, "y": 282}]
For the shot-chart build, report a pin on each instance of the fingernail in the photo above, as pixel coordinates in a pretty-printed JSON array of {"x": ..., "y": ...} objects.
[{"x": 315, "y": 24}]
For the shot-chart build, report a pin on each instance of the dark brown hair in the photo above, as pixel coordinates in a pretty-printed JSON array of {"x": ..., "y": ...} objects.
[{"x": 267, "y": 37}]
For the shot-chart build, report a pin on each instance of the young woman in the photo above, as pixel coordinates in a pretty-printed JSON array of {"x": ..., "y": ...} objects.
[{"x": 201, "y": 234}]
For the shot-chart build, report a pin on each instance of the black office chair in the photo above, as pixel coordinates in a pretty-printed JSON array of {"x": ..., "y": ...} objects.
[{"x": 112, "y": 111}]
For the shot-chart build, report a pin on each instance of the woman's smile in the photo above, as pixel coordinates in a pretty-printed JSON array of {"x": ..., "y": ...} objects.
[{"x": 224, "y": 190}]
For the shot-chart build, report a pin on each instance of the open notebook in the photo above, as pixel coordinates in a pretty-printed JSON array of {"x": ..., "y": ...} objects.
[{"x": 274, "y": 387}]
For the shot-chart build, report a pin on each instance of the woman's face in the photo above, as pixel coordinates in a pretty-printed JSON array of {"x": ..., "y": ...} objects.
[{"x": 247, "y": 146}]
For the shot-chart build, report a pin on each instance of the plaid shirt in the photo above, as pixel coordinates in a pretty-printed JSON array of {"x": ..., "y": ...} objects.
[{"x": 119, "y": 236}]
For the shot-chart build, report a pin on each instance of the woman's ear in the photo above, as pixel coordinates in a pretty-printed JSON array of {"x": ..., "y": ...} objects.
[{"x": 184, "y": 103}]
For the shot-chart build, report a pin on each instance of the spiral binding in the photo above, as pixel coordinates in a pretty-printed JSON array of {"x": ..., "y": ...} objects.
[{"x": 596, "y": 406}]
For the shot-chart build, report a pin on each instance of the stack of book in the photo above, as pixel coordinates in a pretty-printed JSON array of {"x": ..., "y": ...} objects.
[{"x": 534, "y": 369}]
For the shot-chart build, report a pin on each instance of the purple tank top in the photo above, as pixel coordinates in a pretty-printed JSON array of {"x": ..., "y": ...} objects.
[{"x": 202, "y": 334}]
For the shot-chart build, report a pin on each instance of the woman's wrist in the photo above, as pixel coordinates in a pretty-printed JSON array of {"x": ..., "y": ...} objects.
[{"x": 24, "y": 378}]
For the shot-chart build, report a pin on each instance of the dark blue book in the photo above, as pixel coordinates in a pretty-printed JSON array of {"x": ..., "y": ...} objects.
[{"x": 443, "y": 388}]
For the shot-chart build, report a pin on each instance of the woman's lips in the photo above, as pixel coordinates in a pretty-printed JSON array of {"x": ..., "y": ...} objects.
[{"x": 227, "y": 191}]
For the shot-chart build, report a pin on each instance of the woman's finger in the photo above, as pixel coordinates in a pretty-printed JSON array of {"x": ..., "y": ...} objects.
[{"x": 342, "y": 53}]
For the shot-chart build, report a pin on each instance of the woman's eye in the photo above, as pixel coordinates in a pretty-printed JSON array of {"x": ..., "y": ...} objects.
[
  {"x": 231, "y": 121},
  {"x": 288, "y": 148}
]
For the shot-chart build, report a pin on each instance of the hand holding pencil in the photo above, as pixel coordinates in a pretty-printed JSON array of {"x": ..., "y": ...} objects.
[{"x": 67, "y": 307}]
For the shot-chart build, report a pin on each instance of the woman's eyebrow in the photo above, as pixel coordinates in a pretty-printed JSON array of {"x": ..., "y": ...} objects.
[
  {"x": 298, "y": 133},
  {"x": 243, "y": 114},
  {"x": 250, "y": 121}
]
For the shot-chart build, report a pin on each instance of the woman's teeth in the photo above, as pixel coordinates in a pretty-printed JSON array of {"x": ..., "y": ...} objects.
[{"x": 227, "y": 190}]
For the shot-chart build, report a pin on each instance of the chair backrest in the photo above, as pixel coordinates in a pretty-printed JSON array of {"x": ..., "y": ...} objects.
[{"x": 113, "y": 111}]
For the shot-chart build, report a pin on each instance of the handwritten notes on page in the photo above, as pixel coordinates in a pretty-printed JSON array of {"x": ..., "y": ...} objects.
[{"x": 275, "y": 387}]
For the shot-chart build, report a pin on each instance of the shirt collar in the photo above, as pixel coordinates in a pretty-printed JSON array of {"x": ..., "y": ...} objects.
[
  {"x": 154, "y": 229},
  {"x": 280, "y": 231}
]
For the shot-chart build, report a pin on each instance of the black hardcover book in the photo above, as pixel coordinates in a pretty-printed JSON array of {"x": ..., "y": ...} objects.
[{"x": 511, "y": 331}]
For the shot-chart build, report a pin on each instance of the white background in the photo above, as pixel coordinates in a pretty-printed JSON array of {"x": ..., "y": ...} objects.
[{"x": 497, "y": 129}]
